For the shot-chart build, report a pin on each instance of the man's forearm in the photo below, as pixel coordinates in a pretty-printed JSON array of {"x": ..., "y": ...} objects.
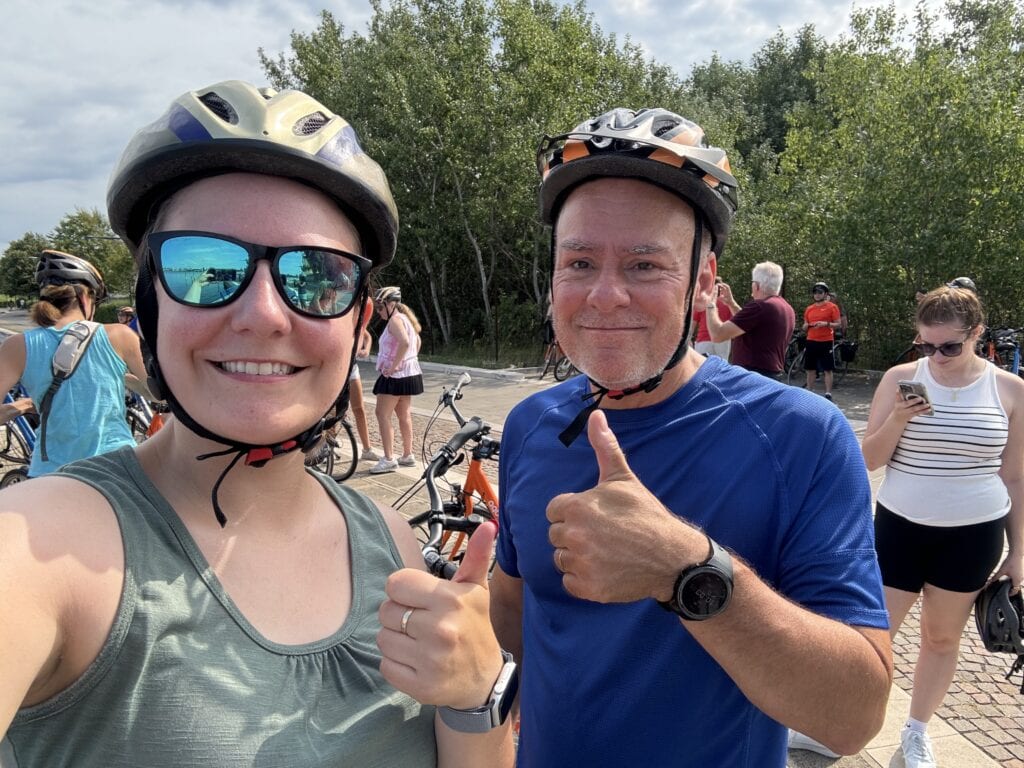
[{"x": 815, "y": 675}]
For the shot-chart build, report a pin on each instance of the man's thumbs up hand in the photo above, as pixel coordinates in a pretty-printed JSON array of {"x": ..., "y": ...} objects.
[
  {"x": 611, "y": 461},
  {"x": 616, "y": 542}
]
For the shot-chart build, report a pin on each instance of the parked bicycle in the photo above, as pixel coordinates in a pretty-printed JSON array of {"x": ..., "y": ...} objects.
[
  {"x": 446, "y": 525},
  {"x": 844, "y": 352},
  {"x": 1001, "y": 346},
  {"x": 144, "y": 418},
  {"x": 17, "y": 441},
  {"x": 555, "y": 360},
  {"x": 339, "y": 453}
]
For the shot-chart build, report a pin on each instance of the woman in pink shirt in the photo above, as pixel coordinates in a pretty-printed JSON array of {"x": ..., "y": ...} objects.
[{"x": 400, "y": 376}]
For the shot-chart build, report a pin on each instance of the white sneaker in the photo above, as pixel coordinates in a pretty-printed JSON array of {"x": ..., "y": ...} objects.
[
  {"x": 407, "y": 461},
  {"x": 917, "y": 749},
  {"x": 370, "y": 455},
  {"x": 384, "y": 465},
  {"x": 798, "y": 741}
]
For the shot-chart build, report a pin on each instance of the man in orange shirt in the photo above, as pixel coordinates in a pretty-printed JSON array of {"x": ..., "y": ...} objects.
[{"x": 820, "y": 322}]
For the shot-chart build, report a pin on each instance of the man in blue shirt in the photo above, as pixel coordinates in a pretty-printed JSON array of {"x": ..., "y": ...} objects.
[{"x": 685, "y": 563}]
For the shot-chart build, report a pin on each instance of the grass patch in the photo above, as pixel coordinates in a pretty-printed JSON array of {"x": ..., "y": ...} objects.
[{"x": 474, "y": 356}]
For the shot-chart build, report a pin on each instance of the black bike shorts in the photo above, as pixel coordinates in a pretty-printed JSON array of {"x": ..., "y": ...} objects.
[
  {"x": 957, "y": 558},
  {"x": 818, "y": 356}
]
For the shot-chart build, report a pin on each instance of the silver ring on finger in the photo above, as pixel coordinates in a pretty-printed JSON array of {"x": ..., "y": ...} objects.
[
  {"x": 559, "y": 552},
  {"x": 405, "y": 621}
]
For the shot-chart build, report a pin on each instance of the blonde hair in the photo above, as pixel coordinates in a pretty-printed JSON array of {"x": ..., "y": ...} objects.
[{"x": 392, "y": 293}]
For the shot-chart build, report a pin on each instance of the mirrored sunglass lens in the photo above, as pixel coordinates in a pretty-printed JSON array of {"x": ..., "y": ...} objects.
[
  {"x": 319, "y": 282},
  {"x": 202, "y": 270}
]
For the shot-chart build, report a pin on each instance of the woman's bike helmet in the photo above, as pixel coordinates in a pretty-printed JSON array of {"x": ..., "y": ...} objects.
[
  {"x": 235, "y": 127},
  {"x": 652, "y": 145},
  {"x": 999, "y": 617},
  {"x": 59, "y": 268}
]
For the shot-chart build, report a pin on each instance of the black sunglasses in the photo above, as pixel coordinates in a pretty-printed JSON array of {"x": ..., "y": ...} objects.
[
  {"x": 949, "y": 349},
  {"x": 203, "y": 269}
]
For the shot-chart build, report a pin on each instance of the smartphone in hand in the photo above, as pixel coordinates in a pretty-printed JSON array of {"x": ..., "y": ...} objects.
[{"x": 909, "y": 389}]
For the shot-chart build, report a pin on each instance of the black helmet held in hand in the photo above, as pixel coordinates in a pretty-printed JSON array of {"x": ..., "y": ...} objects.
[{"x": 999, "y": 617}]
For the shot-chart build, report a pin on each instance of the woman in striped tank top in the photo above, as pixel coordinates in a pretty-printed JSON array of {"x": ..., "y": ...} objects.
[{"x": 953, "y": 487}]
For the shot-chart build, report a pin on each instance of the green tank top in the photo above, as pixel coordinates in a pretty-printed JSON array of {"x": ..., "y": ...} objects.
[{"x": 184, "y": 681}]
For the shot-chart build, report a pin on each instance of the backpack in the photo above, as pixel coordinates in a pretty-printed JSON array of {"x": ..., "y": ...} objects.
[{"x": 68, "y": 355}]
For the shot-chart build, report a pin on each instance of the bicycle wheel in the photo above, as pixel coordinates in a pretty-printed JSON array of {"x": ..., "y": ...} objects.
[
  {"x": 16, "y": 475},
  {"x": 795, "y": 371},
  {"x": 564, "y": 369},
  {"x": 549, "y": 356},
  {"x": 345, "y": 452},
  {"x": 321, "y": 458},
  {"x": 13, "y": 447}
]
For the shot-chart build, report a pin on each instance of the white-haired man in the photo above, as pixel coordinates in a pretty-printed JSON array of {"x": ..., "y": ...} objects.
[{"x": 760, "y": 330}]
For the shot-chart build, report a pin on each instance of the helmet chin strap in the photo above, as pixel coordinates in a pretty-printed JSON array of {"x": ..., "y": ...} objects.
[
  {"x": 256, "y": 455},
  {"x": 599, "y": 392}
]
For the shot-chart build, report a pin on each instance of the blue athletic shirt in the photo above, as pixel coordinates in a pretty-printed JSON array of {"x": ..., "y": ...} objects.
[
  {"x": 771, "y": 472},
  {"x": 87, "y": 416}
]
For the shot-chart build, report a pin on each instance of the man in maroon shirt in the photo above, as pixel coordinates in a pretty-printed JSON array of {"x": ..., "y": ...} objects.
[{"x": 760, "y": 330}]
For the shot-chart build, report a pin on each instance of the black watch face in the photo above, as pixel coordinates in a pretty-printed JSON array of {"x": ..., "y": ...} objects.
[{"x": 704, "y": 593}]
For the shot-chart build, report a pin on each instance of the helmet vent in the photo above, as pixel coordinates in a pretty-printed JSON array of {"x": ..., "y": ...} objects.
[
  {"x": 310, "y": 124},
  {"x": 220, "y": 108}
]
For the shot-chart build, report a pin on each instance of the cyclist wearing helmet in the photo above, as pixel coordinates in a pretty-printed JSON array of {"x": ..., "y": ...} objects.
[
  {"x": 821, "y": 321},
  {"x": 615, "y": 544},
  {"x": 126, "y": 316},
  {"x": 86, "y": 416},
  {"x": 203, "y": 600},
  {"x": 400, "y": 377},
  {"x": 953, "y": 489}
]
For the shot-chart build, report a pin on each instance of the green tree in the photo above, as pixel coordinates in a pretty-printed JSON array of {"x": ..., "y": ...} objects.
[
  {"x": 87, "y": 234},
  {"x": 452, "y": 97},
  {"x": 903, "y": 173},
  {"x": 18, "y": 265}
]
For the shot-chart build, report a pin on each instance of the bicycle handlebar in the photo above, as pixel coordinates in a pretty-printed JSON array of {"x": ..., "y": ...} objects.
[{"x": 438, "y": 522}]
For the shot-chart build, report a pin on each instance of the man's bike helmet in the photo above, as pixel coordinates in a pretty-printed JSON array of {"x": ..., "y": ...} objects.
[
  {"x": 661, "y": 148},
  {"x": 820, "y": 288},
  {"x": 999, "y": 617},
  {"x": 59, "y": 268},
  {"x": 234, "y": 127}
]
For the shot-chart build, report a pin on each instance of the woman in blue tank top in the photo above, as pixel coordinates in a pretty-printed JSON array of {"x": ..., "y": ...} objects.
[
  {"x": 203, "y": 600},
  {"x": 86, "y": 415}
]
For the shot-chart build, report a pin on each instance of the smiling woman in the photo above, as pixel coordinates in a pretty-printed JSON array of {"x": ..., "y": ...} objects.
[{"x": 178, "y": 589}]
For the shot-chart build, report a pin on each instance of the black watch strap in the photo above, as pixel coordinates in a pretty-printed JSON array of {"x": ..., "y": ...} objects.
[{"x": 717, "y": 573}]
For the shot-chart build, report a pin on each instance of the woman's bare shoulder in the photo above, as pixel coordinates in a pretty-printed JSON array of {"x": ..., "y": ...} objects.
[{"x": 61, "y": 573}]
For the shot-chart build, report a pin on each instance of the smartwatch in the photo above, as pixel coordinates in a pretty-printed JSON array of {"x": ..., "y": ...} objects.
[
  {"x": 703, "y": 590},
  {"x": 495, "y": 711}
]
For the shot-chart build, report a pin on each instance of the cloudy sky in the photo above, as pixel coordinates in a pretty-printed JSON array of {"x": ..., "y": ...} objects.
[{"x": 79, "y": 76}]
